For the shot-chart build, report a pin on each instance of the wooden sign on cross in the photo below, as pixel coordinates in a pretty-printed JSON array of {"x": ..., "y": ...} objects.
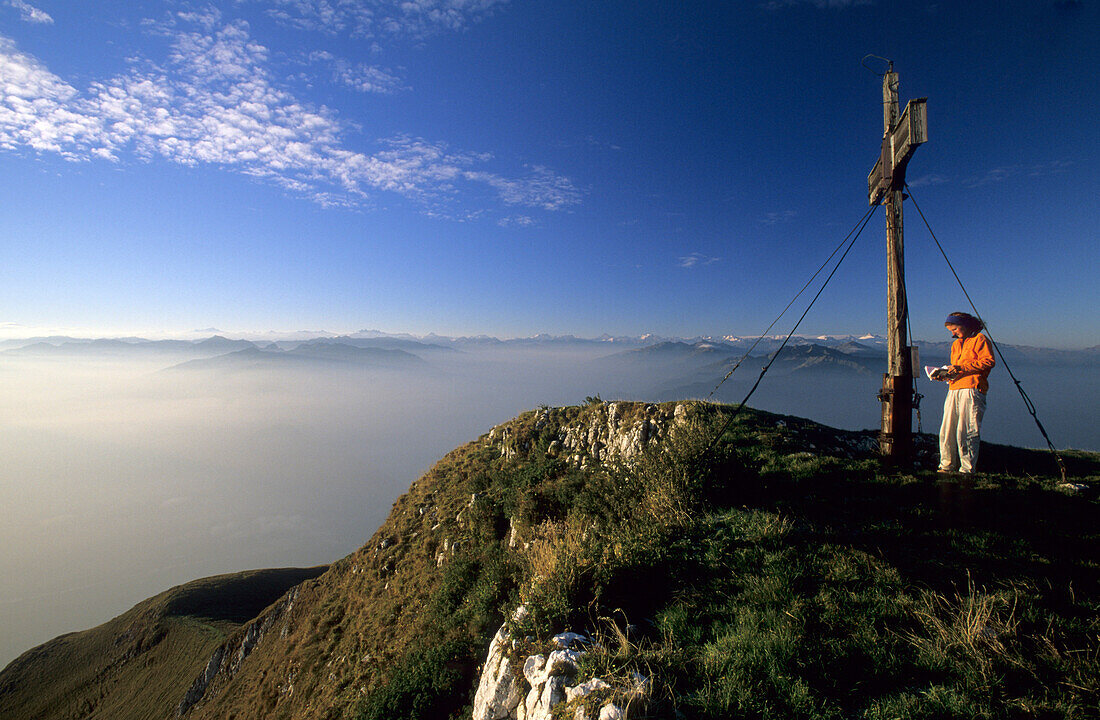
[{"x": 898, "y": 146}]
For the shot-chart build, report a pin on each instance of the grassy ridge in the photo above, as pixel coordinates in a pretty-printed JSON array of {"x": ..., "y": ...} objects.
[
  {"x": 139, "y": 665},
  {"x": 786, "y": 574},
  {"x": 783, "y": 574},
  {"x": 770, "y": 581}
]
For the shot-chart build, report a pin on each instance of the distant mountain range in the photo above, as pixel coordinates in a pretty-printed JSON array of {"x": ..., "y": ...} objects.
[
  {"x": 860, "y": 354},
  {"x": 833, "y": 350},
  {"x": 375, "y": 338},
  {"x": 60, "y": 346},
  {"x": 305, "y": 355}
]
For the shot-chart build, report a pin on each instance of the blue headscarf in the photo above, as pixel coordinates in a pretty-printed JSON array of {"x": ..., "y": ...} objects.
[{"x": 964, "y": 320}]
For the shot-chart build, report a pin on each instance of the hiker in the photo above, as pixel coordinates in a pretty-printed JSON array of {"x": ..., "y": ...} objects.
[{"x": 971, "y": 361}]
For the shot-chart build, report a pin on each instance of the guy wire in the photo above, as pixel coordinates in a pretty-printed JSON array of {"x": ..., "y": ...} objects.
[
  {"x": 797, "y": 295},
  {"x": 729, "y": 421},
  {"x": 1027, "y": 400}
]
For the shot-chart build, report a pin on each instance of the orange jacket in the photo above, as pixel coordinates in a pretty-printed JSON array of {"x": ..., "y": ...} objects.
[{"x": 975, "y": 356}]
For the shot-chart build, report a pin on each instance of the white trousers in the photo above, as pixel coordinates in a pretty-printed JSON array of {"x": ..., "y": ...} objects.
[{"x": 962, "y": 421}]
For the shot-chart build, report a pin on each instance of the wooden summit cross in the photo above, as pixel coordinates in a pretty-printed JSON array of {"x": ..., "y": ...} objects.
[{"x": 900, "y": 139}]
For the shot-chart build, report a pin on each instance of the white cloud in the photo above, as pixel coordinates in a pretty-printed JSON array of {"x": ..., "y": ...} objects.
[
  {"x": 315, "y": 14},
  {"x": 369, "y": 18},
  {"x": 30, "y": 13},
  {"x": 928, "y": 179},
  {"x": 517, "y": 221},
  {"x": 214, "y": 102},
  {"x": 778, "y": 218},
  {"x": 419, "y": 17},
  {"x": 696, "y": 259},
  {"x": 41, "y": 111},
  {"x": 369, "y": 78},
  {"x": 539, "y": 188},
  {"x": 208, "y": 17},
  {"x": 1004, "y": 172},
  {"x": 360, "y": 77}
]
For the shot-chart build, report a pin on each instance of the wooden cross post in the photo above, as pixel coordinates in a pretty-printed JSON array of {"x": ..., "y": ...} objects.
[{"x": 900, "y": 139}]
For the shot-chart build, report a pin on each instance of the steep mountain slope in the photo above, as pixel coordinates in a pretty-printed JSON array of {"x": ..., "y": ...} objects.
[
  {"x": 775, "y": 570},
  {"x": 140, "y": 664}
]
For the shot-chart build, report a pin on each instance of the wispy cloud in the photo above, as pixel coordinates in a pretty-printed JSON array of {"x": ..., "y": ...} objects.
[
  {"x": 370, "y": 18},
  {"x": 1004, "y": 172},
  {"x": 359, "y": 76},
  {"x": 540, "y": 188},
  {"x": 778, "y": 218},
  {"x": 927, "y": 180},
  {"x": 517, "y": 221},
  {"x": 41, "y": 111},
  {"x": 696, "y": 259},
  {"x": 29, "y": 13},
  {"x": 214, "y": 101},
  {"x": 590, "y": 141}
]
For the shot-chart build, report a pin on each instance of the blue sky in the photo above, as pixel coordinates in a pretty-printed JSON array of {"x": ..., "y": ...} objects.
[{"x": 487, "y": 166}]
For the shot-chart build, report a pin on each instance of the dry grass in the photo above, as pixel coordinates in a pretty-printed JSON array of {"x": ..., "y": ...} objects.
[
  {"x": 557, "y": 552},
  {"x": 630, "y": 666},
  {"x": 976, "y": 631}
]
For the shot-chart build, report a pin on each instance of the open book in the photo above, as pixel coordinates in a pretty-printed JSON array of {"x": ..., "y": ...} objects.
[{"x": 937, "y": 373}]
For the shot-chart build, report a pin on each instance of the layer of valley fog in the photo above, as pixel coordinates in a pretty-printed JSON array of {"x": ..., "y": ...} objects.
[{"x": 125, "y": 475}]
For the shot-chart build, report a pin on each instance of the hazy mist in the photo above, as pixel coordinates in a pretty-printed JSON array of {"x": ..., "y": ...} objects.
[{"x": 121, "y": 477}]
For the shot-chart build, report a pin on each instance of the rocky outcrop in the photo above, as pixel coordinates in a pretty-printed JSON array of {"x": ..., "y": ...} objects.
[
  {"x": 498, "y": 692},
  {"x": 508, "y": 691},
  {"x": 227, "y": 659},
  {"x": 611, "y": 435},
  {"x": 198, "y": 688},
  {"x": 604, "y": 433}
]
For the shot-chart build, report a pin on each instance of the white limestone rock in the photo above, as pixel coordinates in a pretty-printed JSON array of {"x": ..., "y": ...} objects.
[
  {"x": 585, "y": 689},
  {"x": 547, "y": 678},
  {"x": 611, "y": 711},
  {"x": 533, "y": 669},
  {"x": 499, "y": 692},
  {"x": 569, "y": 640},
  {"x": 541, "y": 699}
]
